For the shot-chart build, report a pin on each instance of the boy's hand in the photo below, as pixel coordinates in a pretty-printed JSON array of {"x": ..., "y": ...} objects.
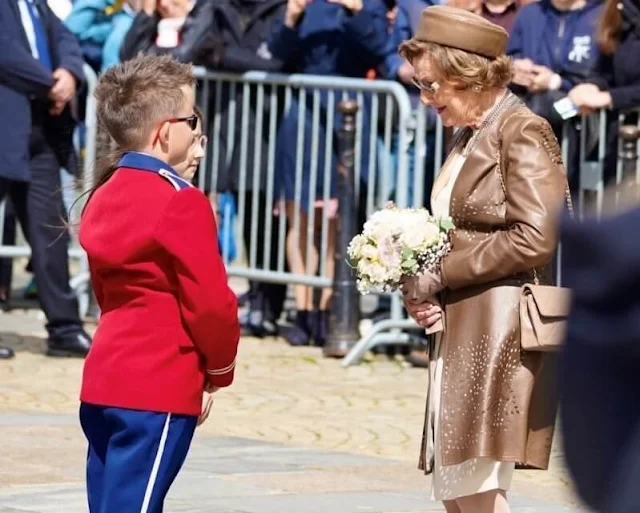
[
  {"x": 210, "y": 389},
  {"x": 207, "y": 402}
]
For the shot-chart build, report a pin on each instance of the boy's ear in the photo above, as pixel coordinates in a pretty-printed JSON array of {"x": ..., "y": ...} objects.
[{"x": 163, "y": 133}]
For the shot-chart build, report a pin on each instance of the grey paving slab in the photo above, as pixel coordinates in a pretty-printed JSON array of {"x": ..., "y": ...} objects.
[{"x": 235, "y": 475}]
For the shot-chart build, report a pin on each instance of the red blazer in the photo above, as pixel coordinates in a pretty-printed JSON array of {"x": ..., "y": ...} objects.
[{"x": 169, "y": 320}]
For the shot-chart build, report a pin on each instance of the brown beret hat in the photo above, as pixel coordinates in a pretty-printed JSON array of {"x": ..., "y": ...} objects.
[{"x": 457, "y": 28}]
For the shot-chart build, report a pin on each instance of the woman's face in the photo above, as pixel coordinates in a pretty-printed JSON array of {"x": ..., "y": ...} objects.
[
  {"x": 174, "y": 8},
  {"x": 457, "y": 105},
  {"x": 448, "y": 101}
]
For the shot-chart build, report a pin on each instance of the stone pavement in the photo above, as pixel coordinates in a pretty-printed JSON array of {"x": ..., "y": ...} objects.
[{"x": 295, "y": 433}]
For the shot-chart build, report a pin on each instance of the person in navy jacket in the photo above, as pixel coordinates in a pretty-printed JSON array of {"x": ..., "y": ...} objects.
[
  {"x": 169, "y": 323},
  {"x": 40, "y": 70},
  {"x": 598, "y": 374},
  {"x": 344, "y": 38},
  {"x": 553, "y": 45}
]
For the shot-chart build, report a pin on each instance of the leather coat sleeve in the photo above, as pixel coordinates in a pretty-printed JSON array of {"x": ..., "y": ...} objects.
[{"x": 535, "y": 186}]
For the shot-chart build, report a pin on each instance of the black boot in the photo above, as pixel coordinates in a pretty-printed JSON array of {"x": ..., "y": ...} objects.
[
  {"x": 320, "y": 327},
  {"x": 299, "y": 334}
]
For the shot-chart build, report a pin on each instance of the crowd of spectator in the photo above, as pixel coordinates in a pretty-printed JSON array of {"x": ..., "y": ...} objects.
[{"x": 586, "y": 50}]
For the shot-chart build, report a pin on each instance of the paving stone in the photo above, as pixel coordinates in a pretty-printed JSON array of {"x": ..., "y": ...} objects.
[{"x": 295, "y": 432}]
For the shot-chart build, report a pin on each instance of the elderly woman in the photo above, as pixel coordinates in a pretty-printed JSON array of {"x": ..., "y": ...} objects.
[{"x": 490, "y": 404}]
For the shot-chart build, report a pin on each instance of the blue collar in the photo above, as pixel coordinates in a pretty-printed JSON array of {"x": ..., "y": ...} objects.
[{"x": 144, "y": 162}]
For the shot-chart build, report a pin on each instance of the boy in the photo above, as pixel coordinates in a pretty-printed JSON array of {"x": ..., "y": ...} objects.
[{"x": 168, "y": 329}]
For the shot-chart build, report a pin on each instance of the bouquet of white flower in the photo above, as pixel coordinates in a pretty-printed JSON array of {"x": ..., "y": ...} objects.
[{"x": 397, "y": 243}]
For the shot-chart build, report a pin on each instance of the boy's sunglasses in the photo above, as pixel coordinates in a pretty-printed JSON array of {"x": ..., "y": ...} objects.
[{"x": 192, "y": 121}]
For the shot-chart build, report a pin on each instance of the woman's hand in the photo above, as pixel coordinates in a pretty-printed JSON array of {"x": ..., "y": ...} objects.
[
  {"x": 418, "y": 289},
  {"x": 295, "y": 10},
  {"x": 425, "y": 314}
]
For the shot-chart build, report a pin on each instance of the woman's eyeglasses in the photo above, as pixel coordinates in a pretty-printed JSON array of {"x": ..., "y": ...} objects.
[
  {"x": 429, "y": 87},
  {"x": 201, "y": 141}
]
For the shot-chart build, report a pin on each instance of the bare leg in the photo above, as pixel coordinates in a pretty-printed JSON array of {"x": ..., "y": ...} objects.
[
  {"x": 330, "y": 263},
  {"x": 494, "y": 501},
  {"x": 297, "y": 256},
  {"x": 451, "y": 507}
]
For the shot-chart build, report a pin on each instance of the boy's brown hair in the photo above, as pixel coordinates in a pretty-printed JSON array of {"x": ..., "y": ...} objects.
[{"x": 136, "y": 95}]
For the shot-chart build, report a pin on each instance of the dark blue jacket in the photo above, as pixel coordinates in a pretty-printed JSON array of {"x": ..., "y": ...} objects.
[
  {"x": 565, "y": 42},
  {"x": 599, "y": 373},
  {"x": 25, "y": 85},
  {"x": 244, "y": 27},
  {"x": 331, "y": 41}
]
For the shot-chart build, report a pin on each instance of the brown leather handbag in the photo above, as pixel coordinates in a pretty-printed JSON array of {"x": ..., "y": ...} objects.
[{"x": 544, "y": 310}]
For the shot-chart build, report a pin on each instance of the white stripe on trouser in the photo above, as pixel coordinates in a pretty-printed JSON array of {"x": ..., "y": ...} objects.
[{"x": 156, "y": 466}]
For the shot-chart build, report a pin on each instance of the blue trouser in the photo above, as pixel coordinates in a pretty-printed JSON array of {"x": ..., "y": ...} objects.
[{"x": 133, "y": 457}]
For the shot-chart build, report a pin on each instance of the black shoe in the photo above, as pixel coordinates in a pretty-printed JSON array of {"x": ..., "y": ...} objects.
[
  {"x": 255, "y": 325},
  {"x": 6, "y": 353},
  {"x": 320, "y": 327},
  {"x": 243, "y": 299},
  {"x": 73, "y": 344},
  {"x": 300, "y": 333}
]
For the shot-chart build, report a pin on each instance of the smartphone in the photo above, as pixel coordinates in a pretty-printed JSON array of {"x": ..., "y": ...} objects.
[{"x": 566, "y": 108}]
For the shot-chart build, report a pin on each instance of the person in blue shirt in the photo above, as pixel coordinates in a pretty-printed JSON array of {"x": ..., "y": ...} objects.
[{"x": 100, "y": 26}]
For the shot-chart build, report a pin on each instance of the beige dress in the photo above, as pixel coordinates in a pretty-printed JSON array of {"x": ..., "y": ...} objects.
[{"x": 476, "y": 475}]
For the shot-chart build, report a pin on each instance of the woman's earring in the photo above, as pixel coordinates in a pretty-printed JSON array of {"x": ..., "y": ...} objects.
[{"x": 476, "y": 89}]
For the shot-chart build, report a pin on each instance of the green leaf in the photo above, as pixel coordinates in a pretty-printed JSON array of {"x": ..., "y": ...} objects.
[
  {"x": 407, "y": 254},
  {"x": 447, "y": 225},
  {"x": 409, "y": 264}
]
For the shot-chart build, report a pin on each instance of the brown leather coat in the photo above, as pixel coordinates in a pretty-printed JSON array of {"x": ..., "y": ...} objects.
[{"x": 498, "y": 401}]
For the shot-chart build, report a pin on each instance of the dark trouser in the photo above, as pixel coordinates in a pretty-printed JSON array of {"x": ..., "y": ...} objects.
[
  {"x": 133, "y": 457},
  {"x": 40, "y": 210},
  {"x": 264, "y": 297},
  {"x": 8, "y": 239}
]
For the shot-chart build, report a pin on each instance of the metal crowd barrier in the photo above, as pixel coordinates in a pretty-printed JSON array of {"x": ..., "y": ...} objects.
[
  {"x": 396, "y": 156},
  {"x": 237, "y": 107},
  {"x": 80, "y": 281}
]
